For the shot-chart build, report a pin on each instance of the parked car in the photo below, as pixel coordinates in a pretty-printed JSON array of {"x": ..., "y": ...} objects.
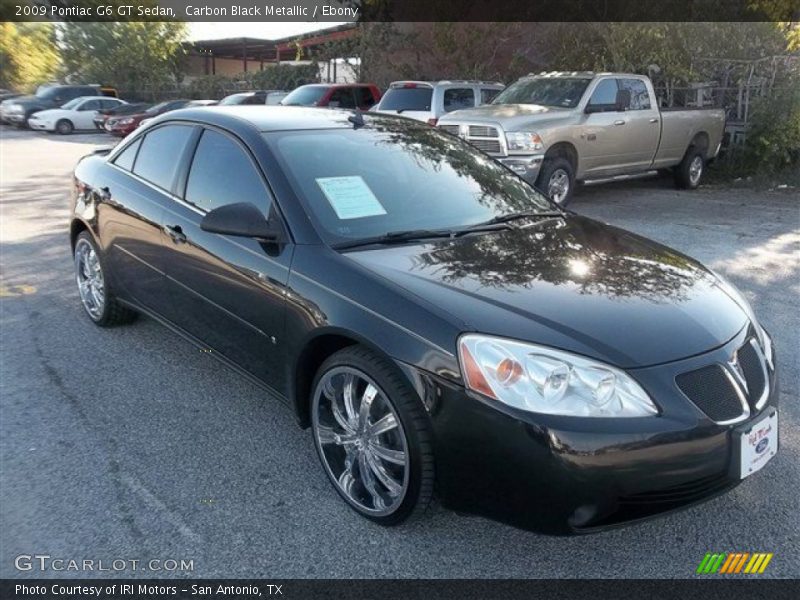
[
  {"x": 50, "y": 96},
  {"x": 8, "y": 94},
  {"x": 429, "y": 100},
  {"x": 77, "y": 114},
  {"x": 191, "y": 103},
  {"x": 435, "y": 320},
  {"x": 122, "y": 110},
  {"x": 554, "y": 129},
  {"x": 123, "y": 125},
  {"x": 335, "y": 95},
  {"x": 257, "y": 97}
]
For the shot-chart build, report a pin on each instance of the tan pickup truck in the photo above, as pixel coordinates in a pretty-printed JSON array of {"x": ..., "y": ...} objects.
[{"x": 556, "y": 129}]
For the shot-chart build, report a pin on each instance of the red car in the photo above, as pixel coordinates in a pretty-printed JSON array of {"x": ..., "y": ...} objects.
[
  {"x": 123, "y": 125},
  {"x": 335, "y": 95}
]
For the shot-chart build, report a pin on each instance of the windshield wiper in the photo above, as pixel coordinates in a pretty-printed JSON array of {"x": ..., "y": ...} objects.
[
  {"x": 513, "y": 217},
  {"x": 397, "y": 237}
]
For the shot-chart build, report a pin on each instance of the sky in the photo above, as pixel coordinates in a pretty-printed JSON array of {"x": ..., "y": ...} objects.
[{"x": 270, "y": 31}]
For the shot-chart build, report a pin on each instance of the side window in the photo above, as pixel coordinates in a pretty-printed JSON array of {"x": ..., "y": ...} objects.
[
  {"x": 364, "y": 97},
  {"x": 109, "y": 103},
  {"x": 456, "y": 98},
  {"x": 160, "y": 153},
  {"x": 90, "y": 105},
  {"x": 605, "y": 94},
  {"x": 222, "y": 173},
  {"x": 342, "y": 98},
  {"x": 640, "y": 99},
  {"x": 488, "y": 94},
  {"x": 125, "y": 158}
]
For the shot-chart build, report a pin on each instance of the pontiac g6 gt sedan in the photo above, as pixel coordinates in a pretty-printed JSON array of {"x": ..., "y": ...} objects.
[{"x": 438, "y": 324}]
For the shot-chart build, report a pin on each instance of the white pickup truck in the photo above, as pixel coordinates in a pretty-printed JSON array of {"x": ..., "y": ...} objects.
[{"x": 555, "y": 129}]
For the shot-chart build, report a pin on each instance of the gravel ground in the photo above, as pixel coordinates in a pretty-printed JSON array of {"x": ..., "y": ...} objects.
[{"x": 130, "y": 444}]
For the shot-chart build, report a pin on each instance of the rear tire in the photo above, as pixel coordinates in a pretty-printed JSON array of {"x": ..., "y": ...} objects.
[
  {"x": 379, "y": 458},
  {"x": 65, "y": 127},
  {"x": 557, "y": 180},
  {"x": 690, "y": 170},
  {"x": 97, "y": 298}
]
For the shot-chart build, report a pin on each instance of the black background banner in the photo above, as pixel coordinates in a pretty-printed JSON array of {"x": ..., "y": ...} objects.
[
  {"x": 323, "y": 11},
  {"x": 711, "y": 588}
]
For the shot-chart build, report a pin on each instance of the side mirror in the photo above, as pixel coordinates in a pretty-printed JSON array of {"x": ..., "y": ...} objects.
[
  {"x": 241, "y": 219},
  {"x": 623, "y": 100}
]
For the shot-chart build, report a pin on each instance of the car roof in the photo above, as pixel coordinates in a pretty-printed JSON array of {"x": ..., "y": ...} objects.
[
  {"x": 446, "y": 82},
  {"x": 337, "y": 85},
  {"x": 267, "y": 118},
  {"x": 97, "y": 98}
]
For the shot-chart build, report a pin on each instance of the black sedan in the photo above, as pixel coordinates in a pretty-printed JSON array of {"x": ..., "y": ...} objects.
[{"x": 439, "y": 324}]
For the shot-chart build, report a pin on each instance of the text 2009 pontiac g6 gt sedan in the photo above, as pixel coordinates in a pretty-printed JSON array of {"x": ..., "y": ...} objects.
[{"x": 438, "y": 323}]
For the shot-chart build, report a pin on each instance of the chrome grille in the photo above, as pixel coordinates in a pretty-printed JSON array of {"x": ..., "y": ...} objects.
[
  {"x": 451, "y": 129},
  {"x": 482, "y": 131},
  {"x": 753, "y": 369},
  {"x": 488, "y": 146}
]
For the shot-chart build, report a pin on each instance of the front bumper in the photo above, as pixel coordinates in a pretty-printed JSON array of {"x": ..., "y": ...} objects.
[
  {"x": 567, "y": 475},
  {"x": 526, "y": 167},
  {"x": 15, "y": 118},
  {"x": 40, "y": 125}
]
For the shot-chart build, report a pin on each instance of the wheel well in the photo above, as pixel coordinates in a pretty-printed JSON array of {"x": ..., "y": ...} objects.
[
  {"x": 700, "y": 141},
  {"x": 311, "y": 358},
  {"x": 563, "y": 150},
  {"x": 75, "y": 229}
]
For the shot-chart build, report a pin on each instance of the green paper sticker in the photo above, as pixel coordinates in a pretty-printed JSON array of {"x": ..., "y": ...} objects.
[{"x": 350, "y": 197}]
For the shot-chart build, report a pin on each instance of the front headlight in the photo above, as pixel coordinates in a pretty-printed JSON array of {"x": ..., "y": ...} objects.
[
  {"x": 523, "y": 142},
  {"x": 549, "y": 381},
  {"x": 14, "y": 108},
  {"x": 123, "y": 122}
]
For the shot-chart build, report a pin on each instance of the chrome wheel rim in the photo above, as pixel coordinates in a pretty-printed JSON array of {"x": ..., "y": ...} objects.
[
  {"x": 696, "y": 169},
  {"x": 89, "y": 275},
  {"x": 558, "y": 186},
  {"x": 361, "y": 441}
]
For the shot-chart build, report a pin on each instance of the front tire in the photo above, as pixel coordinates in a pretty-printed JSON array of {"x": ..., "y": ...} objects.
[
  {"x": 65, "y": 127},
  {"x": 557, "y": 180},
  {"x": 97, "y": 299},
  {"x": 690, "y": 170},
  {"x": 372, "y": 436}
]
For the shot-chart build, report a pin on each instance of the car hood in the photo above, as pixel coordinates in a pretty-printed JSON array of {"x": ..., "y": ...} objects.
[
  {"x": 30, "y": 101},
  {"x": 573, "y": 284},
  {"x": 512, "y": 116},
  {"x": 51, "y": 113}
]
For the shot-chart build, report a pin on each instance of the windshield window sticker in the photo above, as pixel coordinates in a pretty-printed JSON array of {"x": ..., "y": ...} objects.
[{"x": 350, "y": 197}]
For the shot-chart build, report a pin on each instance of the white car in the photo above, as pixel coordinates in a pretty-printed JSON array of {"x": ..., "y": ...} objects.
[
  {"x": 430, "y": 100},
  {"x": 75, "y": 115}
]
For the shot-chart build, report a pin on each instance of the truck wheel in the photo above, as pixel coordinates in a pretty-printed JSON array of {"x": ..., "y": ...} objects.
[
  {"x": 557, "y": 180},
  {"x": 690, "y": 170}
]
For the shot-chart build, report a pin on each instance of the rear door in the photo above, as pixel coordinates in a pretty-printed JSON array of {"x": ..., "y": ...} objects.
[
  {"x": 642, "y": 125},
  {"x": 226, "y": 291},
  {"x": 364, "y": 97},
  {"x": 342, "y": 97}
]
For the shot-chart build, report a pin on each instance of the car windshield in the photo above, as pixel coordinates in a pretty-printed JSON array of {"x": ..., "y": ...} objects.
[
  {"x": 407, "y": 98},
  {"x": 564, "y": 92},
  {"x": 234, "y": 99},
  {"x": 392, "y": 176},
  {"x": 72, "y": 103},
  {"x": 307, "y": 95},
  {"x": 47, "y": 93}
]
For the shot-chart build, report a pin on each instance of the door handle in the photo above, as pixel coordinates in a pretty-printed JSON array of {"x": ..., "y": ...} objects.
[
  {"x": 620, "y": 122},
  {"x": 176, "y": 233},
  {"x": 654, "y": 120}
]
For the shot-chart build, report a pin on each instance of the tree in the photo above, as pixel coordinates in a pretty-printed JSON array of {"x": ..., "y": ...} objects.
[
  {"x": 28, "y": 55},
  {"x": 139, "y": 58}
]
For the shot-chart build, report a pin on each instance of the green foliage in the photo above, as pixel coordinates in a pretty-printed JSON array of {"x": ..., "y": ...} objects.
[
  {"x": 284, "y": 77},
  {"x": 134, "y": 56},
  {"x": 28, "y": 55},
  {"x": 773, "y": 139}
]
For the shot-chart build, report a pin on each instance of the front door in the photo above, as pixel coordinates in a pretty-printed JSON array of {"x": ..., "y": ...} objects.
[
  {"x": 227, "y": 292},
  {"x": 602, "y": 133}
]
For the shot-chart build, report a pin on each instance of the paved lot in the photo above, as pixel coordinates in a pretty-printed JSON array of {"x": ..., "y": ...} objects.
[{"x": 131, "y": 444}]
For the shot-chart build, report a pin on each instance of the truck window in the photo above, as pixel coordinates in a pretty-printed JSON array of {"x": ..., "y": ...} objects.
[
  {"x": 407, "y": 98},
  {"x": 605, "y": 95},
  {"x": 342, "y": 98},
  {"x": 640, "y": 99},
  {"x": 456, "y": 98},
  {"x": 488, "y": 94}
]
